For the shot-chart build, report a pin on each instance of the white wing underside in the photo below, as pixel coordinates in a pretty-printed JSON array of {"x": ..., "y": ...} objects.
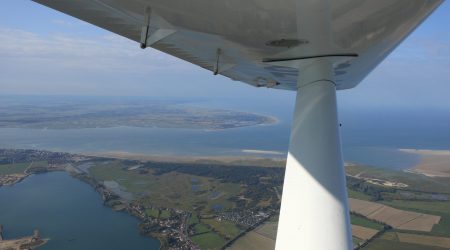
[{"x": 260, "y": 42}]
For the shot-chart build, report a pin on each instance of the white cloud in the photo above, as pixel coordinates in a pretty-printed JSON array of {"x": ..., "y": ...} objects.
[{"x": 106, "y": 53}]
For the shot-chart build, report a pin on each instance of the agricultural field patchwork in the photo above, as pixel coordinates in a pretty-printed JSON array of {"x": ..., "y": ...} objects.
[{"x": 399, "y": 219}]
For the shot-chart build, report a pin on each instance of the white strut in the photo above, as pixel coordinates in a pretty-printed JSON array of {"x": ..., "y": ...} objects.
[{"x": 314, "y": 210}]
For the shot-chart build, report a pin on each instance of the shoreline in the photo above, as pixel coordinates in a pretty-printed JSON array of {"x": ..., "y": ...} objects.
[
  {"x": 107, "y": 195},
  {"x": 433, "y": 163}
]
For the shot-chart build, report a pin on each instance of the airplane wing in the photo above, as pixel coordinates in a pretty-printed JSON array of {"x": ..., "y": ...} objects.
[{"x": 259, "y": 42}]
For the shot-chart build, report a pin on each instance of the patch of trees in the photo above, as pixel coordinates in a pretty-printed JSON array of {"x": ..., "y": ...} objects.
[{"x": 249, "y": 175}]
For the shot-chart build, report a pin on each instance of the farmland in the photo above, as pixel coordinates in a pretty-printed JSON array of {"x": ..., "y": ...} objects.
[
  {"x": 262, "y": 238},
  {"x": 399, "y": 219},
  {"x": 363, "y": 233},
  {"x": 415, "y": 215}
]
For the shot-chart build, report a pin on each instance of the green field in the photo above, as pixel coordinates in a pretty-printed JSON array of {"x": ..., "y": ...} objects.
[
  {"x": 224, "y": 228},
  {"x": 204, "y": 236},
  {"x": 209, "y": 240},
  {"x": 362, "y": 221},
  {"x": 358, "y": 195},
  {"x": 435, "y": 207},
  {"x": 200, "y": 229},
  {"x": 164, "y": 214},
  {"x": 17, "y": 168},
  {"x": 152, "y": 212},
  {"x": 210, "y": 233}
]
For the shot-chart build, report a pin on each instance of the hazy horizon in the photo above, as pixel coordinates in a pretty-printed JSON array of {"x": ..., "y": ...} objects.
[{"x": 50, "y": 53}]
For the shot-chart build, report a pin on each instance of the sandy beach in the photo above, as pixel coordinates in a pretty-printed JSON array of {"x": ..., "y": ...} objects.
[{"x": 433, "y": 163}]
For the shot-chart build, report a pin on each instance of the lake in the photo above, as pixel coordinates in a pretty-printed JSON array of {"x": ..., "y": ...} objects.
[{"x": 70, "y": 213}]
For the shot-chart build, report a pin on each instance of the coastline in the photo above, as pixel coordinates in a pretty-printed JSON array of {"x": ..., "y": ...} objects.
[
  {"x": 114, "y": 202},
  {"x": 433, "y": 163},
  {"x": 107, "y": 195}
]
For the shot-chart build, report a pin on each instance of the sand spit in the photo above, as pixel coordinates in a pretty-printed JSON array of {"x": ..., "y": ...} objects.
[{"x": 433, "y": 163}]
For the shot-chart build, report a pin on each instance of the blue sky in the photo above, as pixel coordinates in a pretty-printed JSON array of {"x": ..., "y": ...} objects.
[{"x": 44, "y": 52}]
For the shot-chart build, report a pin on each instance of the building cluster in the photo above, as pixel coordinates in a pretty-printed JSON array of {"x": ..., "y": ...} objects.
[
  {"x": 246, "y": 218},
  {"x": 172, "y": 231}
]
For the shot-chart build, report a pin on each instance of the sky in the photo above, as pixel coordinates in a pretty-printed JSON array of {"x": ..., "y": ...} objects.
[{"x": 44, "y": 52}]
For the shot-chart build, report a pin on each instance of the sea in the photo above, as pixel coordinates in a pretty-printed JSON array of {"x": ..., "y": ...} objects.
[{"x": 72, "y": 215}]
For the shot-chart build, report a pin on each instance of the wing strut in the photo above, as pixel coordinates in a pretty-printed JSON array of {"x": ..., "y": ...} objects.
[
  {"x": 145, "y": 28},
  {"x": 314, "y": 210},
  {"x": 216, "y": 65}
]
